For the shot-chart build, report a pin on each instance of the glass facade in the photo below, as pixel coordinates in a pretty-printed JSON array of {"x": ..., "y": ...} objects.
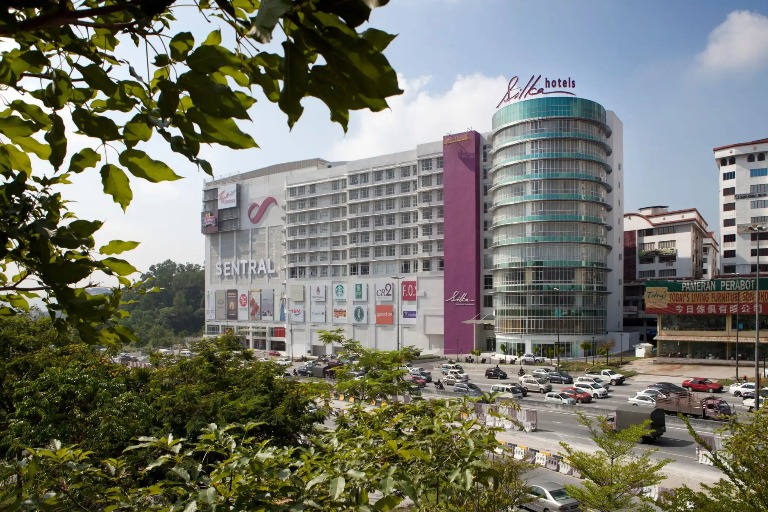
[{"x": 549, "y": 209}]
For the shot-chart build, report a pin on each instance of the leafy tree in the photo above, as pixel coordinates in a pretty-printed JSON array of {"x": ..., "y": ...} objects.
[
  {"x": 742, "y": 459},
  {"x": 67, "y": 73},
  {"x": 614, "y": 474},
  {"x": 586, "y": 347}
]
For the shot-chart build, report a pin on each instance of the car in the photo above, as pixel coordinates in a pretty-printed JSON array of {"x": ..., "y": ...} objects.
[
  {"x": 596, "y": 390},
  {"x": 264, "y": 359},
  {"x": 185, "y": 352},
  {"x": 749, "y": 403},
  {"x": 669, "y": 388},
  {"x": 702, "y": 384},
  {"x": 739, "y": 388},
  {"x": 284, "y": 361},
  {"x": 415, "y": 379},
  {"x": 494, "y": 372},
  {"x": 641, "y": 399},
  {"x": 541, "y": 372},
  {"x": 559, "y": 377},
  {"x": 594, "y": 380},
  {"x": 531, "y": 359},
  {"x": 445, "y": 368},
  {"x": 467, "y": 388},
  {"x": 509, "y": 388},
  {"x": 450, "y": 380},
  {"x": 421, "y": 372},
  {"x": 559, "y": 398},
  {"x": 551, "y": 496},
  {"x": 459, "y": 374},
  {"x": 531, "y": 383},
  {"x": 581, "y": 396},
  {"x": 655, "y": 393},
  {"x": 305, "y": 371}
]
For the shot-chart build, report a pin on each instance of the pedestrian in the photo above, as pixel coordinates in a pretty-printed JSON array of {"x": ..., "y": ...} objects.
[{"x": 744, "y": 378}]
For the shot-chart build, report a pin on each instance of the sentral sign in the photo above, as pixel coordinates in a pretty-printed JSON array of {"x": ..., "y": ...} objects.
[{"x": 245, "y": 268}]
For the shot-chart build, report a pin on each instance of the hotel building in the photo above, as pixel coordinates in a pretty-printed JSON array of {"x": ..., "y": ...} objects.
[{"x": 512, "y": 236}]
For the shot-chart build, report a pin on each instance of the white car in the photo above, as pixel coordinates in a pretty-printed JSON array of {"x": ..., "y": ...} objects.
[
  {"x": 749, "y": 403},
  {"x": 738, "y": 388},
  {"x": 596, "y": 390},
  {"x": 284, "y": 361},
  {"x": 559, "y": 398},
  {"x": 594, "y": 380},
  {"x": 531, "y": 359},
  {"x": 652, "y": 392},
  {"x": 641, "y": 399}
]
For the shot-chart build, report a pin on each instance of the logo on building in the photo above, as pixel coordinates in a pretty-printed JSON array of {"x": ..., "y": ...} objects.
[
  {"x": 534, "y": 88},
  {"x": 359, "y": 314},
  {"x": 460, "y": 298},
  {"x": 338, "y": 291},
  {"x": 256, "y": 211}
]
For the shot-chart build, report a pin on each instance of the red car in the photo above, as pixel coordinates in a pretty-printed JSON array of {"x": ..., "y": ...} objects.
[
  {"x": 580, "y": 396},
  {"x": 702, "y": 384}
]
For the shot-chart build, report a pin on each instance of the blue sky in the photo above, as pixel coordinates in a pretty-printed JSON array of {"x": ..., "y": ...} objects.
[{"x": 683, "y": 76}]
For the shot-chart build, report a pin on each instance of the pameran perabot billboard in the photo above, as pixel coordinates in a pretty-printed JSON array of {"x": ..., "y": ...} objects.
[{"x": 711, "y": 297}]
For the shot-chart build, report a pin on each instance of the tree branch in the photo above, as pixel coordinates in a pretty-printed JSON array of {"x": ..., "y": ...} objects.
[{"x": 64, "y": 16}]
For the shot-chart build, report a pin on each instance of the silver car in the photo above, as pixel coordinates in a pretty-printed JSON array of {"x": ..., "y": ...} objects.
[{"x": 551, "y": 496}]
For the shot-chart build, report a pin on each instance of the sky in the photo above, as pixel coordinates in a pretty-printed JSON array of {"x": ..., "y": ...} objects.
[{"x": 683, "y": 77}]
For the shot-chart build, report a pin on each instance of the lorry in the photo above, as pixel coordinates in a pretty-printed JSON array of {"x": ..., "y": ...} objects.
[
  {"x": 608, "y": 376},
  {"x": 707, "y": 407},
  {"x": 626, "y": 415}
]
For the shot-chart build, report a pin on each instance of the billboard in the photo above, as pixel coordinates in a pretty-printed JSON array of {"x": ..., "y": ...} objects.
[
  {"x": 210, "y": 305},
  {"x": 385, "y": 292},
  {"x": 242, "y": 304},
  {"x": 268, "y": 305},
  {"x": 227, "y": 196},
  {"x": 360, "y": 315},
  {"x": 317, "y": 313},
  {"x": 281, "y": 314},
  {"x": 340, "y": 292},
  {"x": 254, "y": 305},
  {"x": 360, "y": 292},
  {"x": 339, "y": 314},
  {"x": 209, "y": 222},
  {"x": 231, "y": 304},
  {"x": 409, "y": 290},
  {"x": 297, "y": 293},
  {"x": 317, "y": 293},
  {"x": 296, "y": 314},
  {"x": 384, "y": 314},
  {"x": 221, "y": 305},
  {"x": 712, "y": 297},
  {"x": 408, "y": 316}
]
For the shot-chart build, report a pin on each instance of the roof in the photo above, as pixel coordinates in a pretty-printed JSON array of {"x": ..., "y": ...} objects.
[{"x": 752, "y": 143}]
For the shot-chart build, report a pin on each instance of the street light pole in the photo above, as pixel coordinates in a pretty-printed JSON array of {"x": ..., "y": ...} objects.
[
  {"x": 621, "y": 348},
  {"x": 594, "y": 349},
  {"x": 738, "y": 305},
  {"x": 757, "y": 228},
  {"x": 558, "y": 314},
  {"x": 399, "y": 292}
]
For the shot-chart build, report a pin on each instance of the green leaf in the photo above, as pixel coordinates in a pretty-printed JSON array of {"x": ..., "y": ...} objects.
[
  {"x": 267, "y": 18},
  {"x": 336, "y": 487},
  {"x": 168, "y": 101},
  {"x": 97, "y": 78},
  {"x": 32, "y": 112},
  {"x": 56, "y": 137},
  {"x": 142, "y": 166},
  {"x": 19, "y": 159},
  {"x": 83, "y": 159},
  {"x": 180, "y": 46},
  {"x": 96, "y": 126},
  {"x": 201, "y": 89},
  {"x": 15, "y": 126},
  {"x": 221, "y": 131},
  {"x": 137, "y": 130},
  {"x": 120, "y": 267},
  {"x": 31, "y": 145},
  {"x": 388, "y": 502},
  {"x": 214, "y": 38},
  {"x": 117, "y": 247},
  {"x": 207, "y": 59},
  {"x": 116, "y": 184},
  {"x": 378, "y": 38},
  {"x": 295, "y": 79},
  {"x": 353, "y": 12}
]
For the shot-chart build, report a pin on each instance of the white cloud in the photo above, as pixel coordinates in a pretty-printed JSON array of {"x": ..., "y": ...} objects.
[
  {"x": 739, "y": 43},
  {"x": 418, "y": 116}
]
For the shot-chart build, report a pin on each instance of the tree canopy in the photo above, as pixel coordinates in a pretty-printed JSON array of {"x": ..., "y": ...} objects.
[{"x": 67, "y": 73}]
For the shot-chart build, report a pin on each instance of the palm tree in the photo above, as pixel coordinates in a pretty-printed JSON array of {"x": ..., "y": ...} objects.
[{"x": 585, "y": 346}]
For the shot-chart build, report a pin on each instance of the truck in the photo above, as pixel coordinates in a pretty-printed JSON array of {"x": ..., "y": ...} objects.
[
  {"x": 707, "y": 407},
  {"x": 626, "y": 415},
  {"x": 608, "y": 376}
]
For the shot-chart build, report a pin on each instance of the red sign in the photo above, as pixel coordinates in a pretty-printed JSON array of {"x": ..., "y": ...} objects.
[
  {"x": 409, "y": 290},
  {"x": 256, "y": 211},
  {"x": 384, "y": 314},
  {"x": 243, "y": 300}
]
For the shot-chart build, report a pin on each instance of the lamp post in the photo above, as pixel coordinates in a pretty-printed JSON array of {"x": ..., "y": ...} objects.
[
  {"x": 399, "y": 304},
  {"x": 594, "y": 349},
  {"x": 621, "y": 348},
  {"x": 558, "y": 314},
  {"x": 738, "y": 328},
  {"x": 757, "y": 228}
]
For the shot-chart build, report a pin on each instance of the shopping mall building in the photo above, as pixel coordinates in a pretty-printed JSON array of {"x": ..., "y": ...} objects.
[{"x": 509, "y": 237}]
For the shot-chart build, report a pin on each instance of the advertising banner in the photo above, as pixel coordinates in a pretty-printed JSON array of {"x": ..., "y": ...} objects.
[
  {"x": 340, "y": 292},
  {"x": 317, "y": 313},
  {"x": 384, "y": 314},
  {"x": 317, "y": 293},
  {"x": 360, "y": 315},
  {"x": 339, "y": 314},
  {"x": 227, "y": 196},
  {"x": 210, "y": 305},
  {"x": 409, "y": 290},
  {"x": 296, "y": 314},
  {"x": 209, "y": 222},
  {"x": 231, "y": 304},
  {"x": 281, "y": 316},
  {"x": 385, "y": 292},
  {"x": 297, "y": 293},
  {"x": 221, "y": 304},
  {"x": 254, "y": 305},
  {"x": 361, "y": 292},
  {"x": 408, "y": 315},
  {"x": 268, "y": 305},
  {"x": 242, "y": 304},
  {"x": 712, "y": 297}
]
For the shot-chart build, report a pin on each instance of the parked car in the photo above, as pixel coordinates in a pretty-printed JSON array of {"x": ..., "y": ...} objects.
[
  {"x": 421, "y": 372},
  {"x": 540, "y": 372},
  {"x": 494, "y": 372},
  {"x": 608, "y": 375},
  {"x": 551, "y": 496},
  {"x": 596, "y": 390},
  {"x": 594, "y": 380},
  {"x": 467, "y": 388},
  {"x": 702, "y": 384},
  {"x": 531, "y": 359},
  {"x": 559, "y": 377},
  {"x": 305, "y": 370},
  {"x": 451, "y": 379},
  {"x": 668, "y": 388},
  {"x": 445, "y": 368},
  {"x": 509, "y": 388},
  {"x": 284, "y": 361},
  {"x": 655, "y": 393},
  {"x": 531, "y": 383},
  {"x": 739, "y": 388},
  {"x": 415, "y": 379},
  {"x": 641, "y": 399},
  {"x": 559, "y": 398},
  {"x": 459, "y": 374},
  {"x": 749, "y": 403},
  {"x": 577, "y": 394}
]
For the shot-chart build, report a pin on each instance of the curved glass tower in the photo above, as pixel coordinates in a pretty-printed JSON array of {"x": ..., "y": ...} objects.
[{"x": 550, "y": 208}]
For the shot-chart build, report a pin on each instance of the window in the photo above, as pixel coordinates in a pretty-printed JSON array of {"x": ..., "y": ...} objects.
[
  {"x": 761, "y": 157},
  {"x": 729, "y": 254},
  {"x": 729, "y": 269},
  {"x": 487, "y": 282},
  {"x": 750, "y": 158},
  {"x": 426, "y": 164},
  {"x": 647, "y": 273},
  {"x": 649, "y": 246},
  {"x": 729, "y": 207},
  {"x": 758, "y": 189},
  {"x": 378, "y": 175},
  {"x": 759, "y": 203},
  {"x": 757, "y": 173},
  {"x": 487, "y": 301},
  {"x": 763, "y": 252},
  {"x": 667, "y": 272},
  {"x": 729, "y": 191},
  {"x": 729, "y": 223},
  {"x": 426, "y": 181},
  {"x": 729, "y": 238},
  {"x": 439, "y": 162},
  {"x": 667, "y": 244},
  {"x": 405, "y": 187},
  {"x": 405, "y": 267},
  {"x": 426, "y": 247},
  {"x": 390, "y": 174},
  {"x": 441, "y": 264},
  {"x": 730, "y": 175},
  {"x": 426, "y": 265},
  {"x": 405, "y": 172},
  {"x": 731, "y": 160},
  {"x": 723, "y": 161}
]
